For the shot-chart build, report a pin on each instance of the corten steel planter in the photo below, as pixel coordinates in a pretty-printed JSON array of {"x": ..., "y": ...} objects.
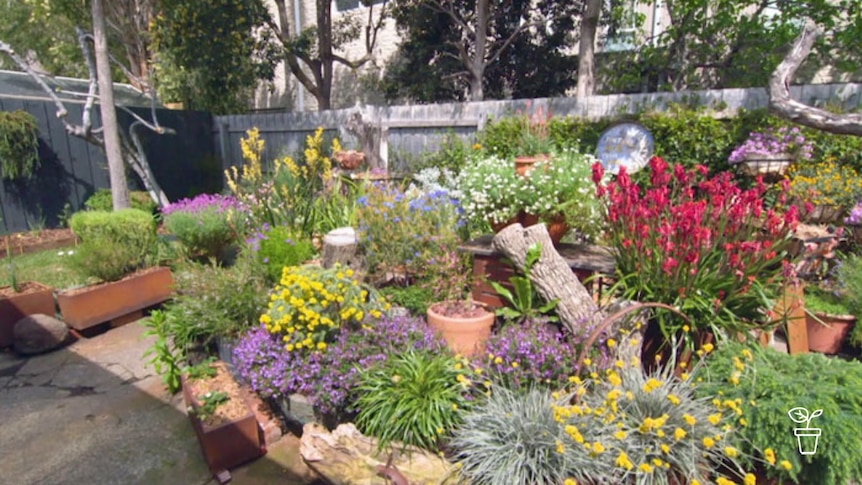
[
  {"x": 35, "y": 298},
  {"x": 227, "y": 445},
  {"x": 87, "y": 307}
]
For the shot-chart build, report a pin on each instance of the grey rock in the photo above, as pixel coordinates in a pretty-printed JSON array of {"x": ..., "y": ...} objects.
[{"x": 35, "y": 334}]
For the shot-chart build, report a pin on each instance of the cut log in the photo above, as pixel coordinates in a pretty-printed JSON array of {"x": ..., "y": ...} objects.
[
  {"x": 340, "y": 246},
  {"x": 551, "y": 276},
  {"x": 346, "y": 457}
]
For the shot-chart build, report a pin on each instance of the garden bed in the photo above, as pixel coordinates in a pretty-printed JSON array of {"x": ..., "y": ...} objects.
[{"x": 34, "y": 241}]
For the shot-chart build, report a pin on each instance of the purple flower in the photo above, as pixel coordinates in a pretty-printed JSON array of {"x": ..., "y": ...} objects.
[{"x": 204, "y": 202}]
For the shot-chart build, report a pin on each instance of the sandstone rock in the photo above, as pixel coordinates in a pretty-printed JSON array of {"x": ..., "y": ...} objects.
[{"x": 38, "y": 333}]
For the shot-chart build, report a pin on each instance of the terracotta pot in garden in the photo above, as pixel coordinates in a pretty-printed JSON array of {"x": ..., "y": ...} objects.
[
  {"x": 526, "y": 220},
  {"x": 557, "y": 228},
  {"x": 465, "y": 325},
  {"x": 350, "y": 159},
  {"x": 523, "y": 165},
  {"x": 827, "y": 334}
]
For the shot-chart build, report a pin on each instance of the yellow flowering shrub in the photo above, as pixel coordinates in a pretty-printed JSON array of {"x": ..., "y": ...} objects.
[
  {"x": 825, "y": 183},
  {"x": 311, "y": 304}
]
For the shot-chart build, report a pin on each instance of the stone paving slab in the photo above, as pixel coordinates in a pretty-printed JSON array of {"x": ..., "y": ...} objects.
[{"x": 95, "y": 413}]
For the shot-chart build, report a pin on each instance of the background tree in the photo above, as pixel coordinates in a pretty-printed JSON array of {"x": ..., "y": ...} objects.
[
  {"x": 712, "y": 44},
  {"x": 479, "y": 49},
  {"x": 211, "y": 54},
  {"x": 311, "y": 54}
]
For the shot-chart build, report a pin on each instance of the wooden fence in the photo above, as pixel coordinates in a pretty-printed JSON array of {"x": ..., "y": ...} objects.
[
  {"x": 72, "y": 169},
  {"x": 410, "y": 131}
]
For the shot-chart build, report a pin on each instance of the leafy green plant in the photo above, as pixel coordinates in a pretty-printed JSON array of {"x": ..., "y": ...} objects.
[
  {"x": 19, "y": 145},
  {"x": 113, "y": 243},
  {"x": 201, "y": 370},
  {"x": 850, "y": 278},
  {"x": 164, "y": 357},
  {"x": 821, "y": 301},
  {"x": 209, "y": 402},
  {"x": 415, "y": 398},
  {"x": 513, "y": 438},
  {"x": 415, "y": 297},
  {"x": 106, "y": 262},
  {"x": 767, "y": 384},
  {"x": 451, "y": 155},
  {"x": 11, "y": 269},
  {"x": 138, "y": 199},
  {"x": 206, "y": 225},
  {"x": 524, "y": 301},
  {"x": 280, "y": 246}
]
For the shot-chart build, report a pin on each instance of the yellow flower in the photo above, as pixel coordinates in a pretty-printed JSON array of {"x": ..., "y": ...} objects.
[
  {"x": 560, "y": 447},
  {"x": 454, "y": 407},
  {"x": 498, "y": 360},
  {"x": 514, "y": 365},
  {"x": 657, "y": 462},
  {"x": 620, "y": 435},
  {"x": 723, "y": 481},
  {"x": 743, "y": 422},
  {"x": 651, "y": 385},
  {"x": 289, "y": 347},
  {"x": 321, "y": 346},
  {"x": 749, "y": 479},
  {"x": 714, "y": 418},
  {"x": 614, "y": 379},
  {"x": 707, "y": 347},
  {"x": 588, "y": 362},
  {"x": 684, "y": 376},
  {"x": 598, "y": 448},
  {"x": 619, "y": 364},
  {"x": 664, "y": 448},
  {"x": 611, "y": 343},
  {"x": 731, "y": 452},
  {"x": 769, "y": 456},
  {"x": 645, "y": 467},
  {"x": 786, "y": 465},
  {"x": 685, "y": 328},
  {"x": 623, "y": 461},
  {"x": 673, "y": 399},
  {"x": 689, "y": 419},
  {"x": 708, "y": 442}
]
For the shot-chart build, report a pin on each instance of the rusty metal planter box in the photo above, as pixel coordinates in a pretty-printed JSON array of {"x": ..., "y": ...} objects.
[
  {"x": 18, "y": 306},
  {"x": 83, "y": 308}
]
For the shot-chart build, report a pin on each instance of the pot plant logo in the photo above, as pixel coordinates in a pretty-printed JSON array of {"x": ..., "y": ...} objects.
[{"x": 806, "y": 437}]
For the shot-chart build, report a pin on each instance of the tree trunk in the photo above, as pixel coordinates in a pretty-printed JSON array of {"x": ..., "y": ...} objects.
[
  {"x": 346, "y": 457},
  {"x": 113, "y": 147},
  {"x": 477, "y": 70},
  {"x": 587, "y": 48},
  {"x": 782, "y": 105},
  {"x": 551, "y": 275},
  {"x": 340, "y": 247},
  {"x": 324, "y": 36}
]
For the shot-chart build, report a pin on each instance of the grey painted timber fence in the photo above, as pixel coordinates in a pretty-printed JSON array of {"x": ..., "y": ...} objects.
[{"x": 409, "y": 131}]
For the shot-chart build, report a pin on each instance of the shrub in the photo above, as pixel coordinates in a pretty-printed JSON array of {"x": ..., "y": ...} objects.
[
  {"x": 397, "y": 230},
  {"x": 329, "y": 378},
  {"x": 415, "y": 297},
  {"x": 413, "y": 397},
  {"x": 278, "y": 247},
  {"x": 312, "y": 304},
  {"x": 138, "y": 199},
  {"x": 513, "y": 438},
  {"x": 850, "y": 277},
  {"x": 205, "y": 225},
  {"x": 19, "y": 145},
  {"x": 113, "y": 243},
  {"x": 766, "y": 384},
  {"x": 532, "y": 354}
]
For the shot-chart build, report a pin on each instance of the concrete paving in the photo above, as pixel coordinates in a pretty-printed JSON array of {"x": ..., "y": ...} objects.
[{"x": 94, "y": 413}]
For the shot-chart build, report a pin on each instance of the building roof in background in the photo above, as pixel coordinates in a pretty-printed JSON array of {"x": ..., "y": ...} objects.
[{"x": 21, "y": 86}]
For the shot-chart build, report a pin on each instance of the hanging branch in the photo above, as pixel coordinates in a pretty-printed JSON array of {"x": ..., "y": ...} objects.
[{"x": 133, "y": 150}]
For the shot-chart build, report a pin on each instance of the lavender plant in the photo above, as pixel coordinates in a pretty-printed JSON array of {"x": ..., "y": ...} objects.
[{"x": 205, "y": 225}]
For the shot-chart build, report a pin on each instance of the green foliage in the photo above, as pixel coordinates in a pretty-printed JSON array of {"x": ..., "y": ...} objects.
[
  {"x": 690, "y": 136},
  {"x": 209, "y": 402},
  {"x": 213, "y": 301},
  {"x": 205, "y": 234},
  {"x": 201, "y": 370},
  {"x": 138, "y": 199},
  {"x": 164, "y": 357},
  {"x": 850, "y": 278},
  {"x": 512, "y": 438},
  {"x": 822, "y": 301},
  {"x": 415, "y": 297},
  {"x": 19, "y": 145},
  {"x": 524, "y": 302},
  {"x": 113, "y": 243},
  {"x": 414, "y": 398},
  {"x": 451, "y": 155},
  {"x": 768, "y": 384},
  {"x": 11, "y": 269},
  {"x": 211, "y": 54},
  {"x": 280, "y": 247}
]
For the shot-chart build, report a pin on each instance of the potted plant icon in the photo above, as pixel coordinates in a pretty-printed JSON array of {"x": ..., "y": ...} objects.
[{"x": 806, "y": 437}]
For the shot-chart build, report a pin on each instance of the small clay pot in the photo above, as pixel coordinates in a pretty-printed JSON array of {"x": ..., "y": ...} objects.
[
  {"x": 827, "y": 337},
  {"x": 349, "y": 160},
  {"x": 465, "y": 325},
  {"x": 523, "y": 165}
]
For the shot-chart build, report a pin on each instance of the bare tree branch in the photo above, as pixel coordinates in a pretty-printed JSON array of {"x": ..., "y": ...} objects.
[
  {"x": 786, "y": 107},
  {"x": 62, "y": 113}
]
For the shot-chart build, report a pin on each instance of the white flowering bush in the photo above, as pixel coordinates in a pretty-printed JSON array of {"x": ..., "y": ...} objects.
[
  {"x": 434, "y": 180},
  {"x": 491, "y": 190},
  {"x": 563, "y": 186}
]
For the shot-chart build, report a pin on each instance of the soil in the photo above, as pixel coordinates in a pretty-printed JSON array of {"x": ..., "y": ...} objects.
[
  {"x": 23, "y": 289},
  {"x": 459, "y": 309},
  {"x": 32, "y": 241},
  {"x": 233, "y": 409}
]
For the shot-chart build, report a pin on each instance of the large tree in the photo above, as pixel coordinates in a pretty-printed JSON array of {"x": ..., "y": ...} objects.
[
  {"x": 312, "y": 53},
  {"x": 479, "y": 49},
  {"x": 730, "y": 43}
]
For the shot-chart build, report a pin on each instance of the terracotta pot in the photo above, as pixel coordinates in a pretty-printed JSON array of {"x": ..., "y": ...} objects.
[
  {"x": 32, "y": 299},
  {"x": 557, "y": 228},
  {"x": 524, "y": 164},
  {"x": 350, "y": 159},
  {"x": 522, "y": 218},
  {"x": 83, "y": 308},
  {"x": 827, "y": 337},
  {"x": 230, "y": 444},
  {"x": 464, "y": 335}
]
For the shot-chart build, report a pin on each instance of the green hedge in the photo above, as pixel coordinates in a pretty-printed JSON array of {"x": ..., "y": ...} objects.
[
  {"x": 125, "y": 226},
  {"x": 682, "y": 135},
  {"x": 138, "y": 199}
]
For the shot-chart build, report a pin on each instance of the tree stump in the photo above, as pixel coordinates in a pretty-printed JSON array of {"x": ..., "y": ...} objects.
[
  {"x": 346, "y": 457},
  {"x": 551, "y": 276},
  {"x": 341, "y": 246}
]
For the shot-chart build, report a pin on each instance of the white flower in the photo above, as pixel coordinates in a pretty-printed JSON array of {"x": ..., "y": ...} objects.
[{"x": 60, "y": 253}]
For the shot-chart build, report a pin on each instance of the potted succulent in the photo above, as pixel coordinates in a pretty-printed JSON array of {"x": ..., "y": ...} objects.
[
  {"x": 464, "y": 324},
  {"x": 224, "y": 423},
  {"x": 771, "y": 151},
  {"x": 824, "y": 191},
  {"x": 19, "y": 299},
  {"x": 116, "y": 251}
]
